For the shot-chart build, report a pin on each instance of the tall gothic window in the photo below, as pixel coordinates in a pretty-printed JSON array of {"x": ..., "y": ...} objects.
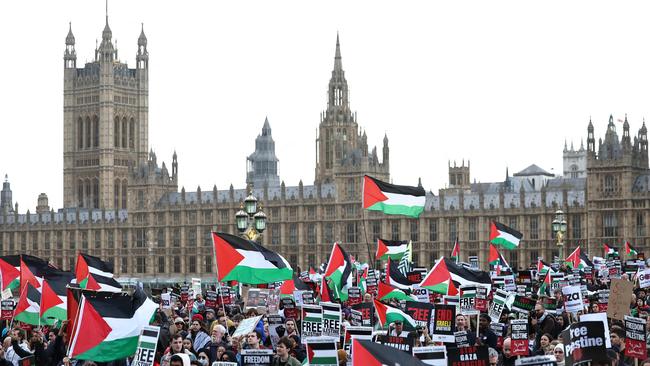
[
  {"x": 124, "y": 132},
  {"x": 472, "y": 225},
  {"x": 124, "y": 194},
  {"x": 433, "y": 230},
  {"x": 415, "y": 231},
  {"x": 453, "y": 229},
  {"x": 80, "y": 192},
  {"x": 534, "y": 227},
  {"x": 116, "y": 132},
  {"x": 394, "y": 230},
  {"x": 95, "y": 193},
  {"x": 132, "y": 134},
  {"x": 80, "y": 133},
  {"x": 116, "y": 188},
  {"x": 576, "y": 230},
  {"x": 640, "y": 224},
  {"x": 95, "y": 131},
  {"x": 609, "y": 184},
  {"x": 610, "y": 224},
  {"x": 88, "y": 131},
  {"x": 376, "y": 230}
]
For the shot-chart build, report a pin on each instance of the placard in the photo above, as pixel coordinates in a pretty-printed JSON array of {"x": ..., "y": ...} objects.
[
  {"x": 211, "y": 299},
  {"x": 354, "y": 296},
  {"x": 312, "y": 321},
  {"x": 256, "y": 357},
  {"x": 444, "y": 324},
  {"x": 497, "y": 305},
  {"x": 257, "y": 297},
  {"x": 331, "y": 319},
  {"x": 548, "y": 360},
  {"x": 146, "y": 351},
  {"x": 468, "y": 300},
  {"x": 523, "y": 304},
  {"x": 246, "y": 326},
  {"x": 620, "y": 292},
  {"x": 7, "y": 307},
  {"x": 499, "y": 330},
  {"x": 367, "y": 313},
  {"x": 519, "y": 331},
  {"x": 433, "y": 355},
  {"x": 224, "y": 296},
  {"x": 461, "y": 338},
  {"x": 196, "y": 287},
  {"x": 421, "y": 293},
  {"x": 473, "y": 261},
  {"x": 587, "y": 342},
  {"x": 308, "y": 298},
  {"x": 635, "y": 338},
  {"x": 549, "y": 304},
  {"x": 573, "y": 299},
  {"x": 276, "y": 328},
  {"x": 603, "y": 300},
  {"x": 290, "y": 309},
  {"x": 185, "y": 292},
  {"x": 404, "y": 344},
  {"x": 481, "y": 298},
  {"x": 421, "y": 312},
  {"x": 598, "y": 317},
  {"x": 166, "y": 300},
  {"x": 468, "y": 356},
  {"x": 358, "y": 333},
  {"x": 644, "y": 278},
  {"x": 322, "y": 352}
]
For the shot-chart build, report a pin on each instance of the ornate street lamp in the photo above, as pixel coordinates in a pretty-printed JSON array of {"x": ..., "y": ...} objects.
[
  {"x": 559, "y": 228},
  {"x": 250, "y": 219}
]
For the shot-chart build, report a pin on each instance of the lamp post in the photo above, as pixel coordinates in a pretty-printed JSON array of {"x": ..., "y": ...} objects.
[
  {"x": 250, "y": 219},
  {"x": 559, "y": 231}
]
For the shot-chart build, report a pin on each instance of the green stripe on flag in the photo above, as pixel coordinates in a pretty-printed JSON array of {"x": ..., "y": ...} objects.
[
  {"x": 413, "y": 211},
  {"x": 323, "y": 361},
  {"x": 147, "y": 345},
  {"x": 111, "y": 350}
]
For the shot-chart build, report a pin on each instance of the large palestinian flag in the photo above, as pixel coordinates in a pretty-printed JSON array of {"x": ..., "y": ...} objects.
[
  {"x": 9, "y": 272},
  {"x": 248, "y": 262},
  {"x": 504, "y": 236},
  {"x": 388, "y": 314},
  {"x": 578, "y": 259},
  {"x": 385, "y": 292},
  {"x": 630, "y": 251},
  {"x": 445, "y": 269},
  {"x": 108, "y": 327},
  {"x": 395, "y": 277},
  {"x": 54, "y": 298},
  {"x": 32, "y": 270},
  {"x": 339, "y": 272},
  {"x": 29, "y": 304},
  {"x": 289, "y": 286},
  {"x": 97, "y": 282},
  {"x": 369, "y": 353},
  {"x": 87, "y": 265},
  {"x": 392, "y": 199},
  {"x": 439, "y": 279},
  {"x": 393, "y": 249}
]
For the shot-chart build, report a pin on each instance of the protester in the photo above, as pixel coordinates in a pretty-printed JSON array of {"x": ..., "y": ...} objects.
[
  {"x": 282, "y": 357},
  {"x": 558, "y": 352}
]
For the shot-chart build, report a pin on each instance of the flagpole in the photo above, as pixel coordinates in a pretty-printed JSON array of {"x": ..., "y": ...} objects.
[
  {"x": 216, "y": 264},
  {"x": 365, "y": 233},
  {"x": 74, "y": 325}
]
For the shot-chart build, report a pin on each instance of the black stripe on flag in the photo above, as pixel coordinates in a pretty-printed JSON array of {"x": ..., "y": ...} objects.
[
  {"x": 393, "y": 243},
  {"x": 509, "y": 230},
  {"x": 431, "y": 356},
  {"x": 322, "y": 345},
  {"x": 149, "y": 333},
  {"x": 117, "y": 305},
  {"x": 96, "y": 262},
  {"x": 393, "y": 188},
  {"x": 240, "y": 243},
  {"x": 59, "y": 280}
]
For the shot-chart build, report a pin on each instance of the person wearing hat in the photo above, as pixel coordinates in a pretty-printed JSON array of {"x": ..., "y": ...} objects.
[
  {"x": 558, "y": 352},
  {"x": 398, "y": 330},
  {"x": 180, "y": 326},
  {"x": 486, "y": 335}
]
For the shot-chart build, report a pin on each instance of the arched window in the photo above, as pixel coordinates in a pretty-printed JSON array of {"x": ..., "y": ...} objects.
[
  {"x": 574, "y": 171},
  {"x": 87, "y": 193},
  {"x": 116, "y": 133},
  {"x": 608, "y": 185},
  {"x": 95, "y": 131},
  {"x": 124, "y": 194},
  {"x": 95, "y": 193},
  {"x": 80, "y": 193},
  {"x": 132, "y": 133},
  {"x": 88, "y": 130},
  {"x": 116, "y": 188},
  {"x": 124, "y": 132},
  {"x": 80, "y": 133}
]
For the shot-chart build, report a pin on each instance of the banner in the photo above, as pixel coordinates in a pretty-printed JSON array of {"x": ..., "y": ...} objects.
[
  {"x": 404, "y": 344},
  {"x": 586, "y": 342},
  {"x": 312, "y": 321},
  {"x": 519, "y": 331},
  {"x": 7, "y": 307},
  {"x": 331, "y": 320},
  {"x": 433, "y": 355},
  {"x": 421, "y": 312},
  {"x": 497, "y": 305},
  {"x": 468, "y": 300},
  {"x": 468, "y": 356},
  {"x": 444, "y": 324},
  {"x": 354, "y": 296},
  {"x": 573, "y": 299},
  {"x": 620, "y": 292},
  {"x": 166, "y": 300},
  {"x": 548, "y": 360},
  {"x": 635, "y": 338},
  {"x": 523, "y": 304},
  {"x": 256, "y": 357},
  {"x": 144, "y": 355},
  {"x": 367, "y": 313}
]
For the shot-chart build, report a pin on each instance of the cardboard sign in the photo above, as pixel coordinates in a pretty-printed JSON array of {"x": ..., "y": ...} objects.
[
  {"x": 635, "y": 338},
  {"x": 573, "y": 299},
  {"x": 146, "y": 351},
  {"x": 312, "y": 321},
  {"x": 367, "y": 313},
  {"x": 256, "y": 357},
  {"x": 404, "y": 344},
  {"x": 523, "y": 304},
  {"x": 7, "y": 307},
  {"x": 548, "y": 360},
  {"x": 246, "y": 326},
  {"x": 497, "y": 305},
  {"x": 196, "y": 286},
  {"x": 586, "y": 342},
  {"x": 444, "y": 324},
  {"x": 468, "y": 300},
  {"x": 620, "y": 292},
  {"x": 468, "y": 356},
  {"x": 421, "y": 312},
  {"x": 519, "y": 331},
  {"x": 331, "y": 319},
  {"x": 354, "y": 296},
  {"x": 166, "y": 300},
  {"x": 211, "y": 299},
  {"x": 434, "y": 355},
  {"x": 461, "y": 338}
]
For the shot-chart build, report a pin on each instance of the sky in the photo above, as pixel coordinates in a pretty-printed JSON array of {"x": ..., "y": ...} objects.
[{"x": 499, "y": 83}]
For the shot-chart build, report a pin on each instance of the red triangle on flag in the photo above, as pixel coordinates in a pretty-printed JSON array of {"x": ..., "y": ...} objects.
[
  {"x": 227, "y": 256},
  {"x": 371, "y": 192},
  {"x": 287, "y": 287},
  {"x": 49, "y": 298},
  {"x": 81, "y": 270},
  {"x": 92, "y": 284},
  {"x": 361, "y": 356},
  {"x": 9, "y": 273},
  {"x": 381, "y": 249},
  {"x": 90, "y": 331},
  {"x": 336, "y": 260},
  {"x": 26, "y": 276},
  {"x": 381, "y": 310},
  {"x": 22, "y": 304}
]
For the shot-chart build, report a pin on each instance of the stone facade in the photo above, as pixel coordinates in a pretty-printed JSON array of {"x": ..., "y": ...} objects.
[{"x": 158, "y": 232}]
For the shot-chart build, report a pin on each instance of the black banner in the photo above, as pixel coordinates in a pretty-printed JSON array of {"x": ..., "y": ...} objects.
[
  {"x": 585, "y": 342},
  {"x": 405, "y": 344},
  {"x": 367, "y": 313},
  {"x": 421, "y": 312},
  {"x": 468, "y": 356},
  {"x": 444, "y": 324}
]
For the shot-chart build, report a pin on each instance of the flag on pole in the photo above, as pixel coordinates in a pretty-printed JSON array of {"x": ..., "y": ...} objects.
[
  {"x": 502, "y": 235},
  {"x": 10, "y": 272},
  {"x": 392, "y": 199},
  {"x": 28, "y": 308},
  {"x": 388, "y": 314},
  {"x": 455, "y": 251},
  {"x": 393, "y": 249},
  {"x": 405, "y": 262},
  {"x": 385, "y": 292},
  {"x": 395, "y": 277},
  {"x": 339, "y": 272},
  {"x": 439, "y": 279},
  {"x": 367, "y": 352},
  {"x": 54, "y": 301},
  {"x": 610, "y": 251},
  {"x": 545, "y": 286},
  {"x": 630, "y": 251}
]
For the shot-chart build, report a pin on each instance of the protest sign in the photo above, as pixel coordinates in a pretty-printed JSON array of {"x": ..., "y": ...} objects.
[
  {"x": 312, "y": 321},
  {"x": 276, "y": 328},
  {"x": 256, "y": 357},
  {"x": 509, "y": 283},
  {"x": 7, "y": 307},
  {"x": 548, "y": 360},
  {"x": 586, "y": 342},
  {"x": 644, "y": 278},
  {"x": 421, "y": 312},
  {"x": 620, "y": 293},
  {"x": 211, "y": 299},
  {"x": 573, "y": 299},
  {"x": 635, "y": 338},
  {"x": 452, "y": 300},
  {"x": 481, "y": 298},
  {"x": 166, "y": 300},
  {"x": 246, "y": 326},
  {"x": 555, "y": 280},
  {"x": 468, "y": 356},
  {"x": 598, "y": 317},
  {"x": 523, "y": 304},
  {"x": 405, "y": 344},
  {"x": 308, "y": 298},
  {"x": 549, "y": 304},
  {"x": 473, "y": 261},
  {"x": 444, "y": 323},
  {"x": 367, "y": 313},
  {"x": 185, "y": 291},
  {"x": 331, "y": 319},
  {"x": 357, "y": 332},
  {"x": 524, "y": 277},
  {"x": 433, "y": 355},
  {"x": 257, "y": 297},
  {"x": 468, "y": 300},
  {"x": 499, "y": 330},
  {"x": 461, "y": 338},
  {"x": 146, "y": 351},
  {"x": 6, "y": 294},
  {"x": 224, "y": 363},
  {"x": 322, "y": 352},
  {"x": 414, "y": 277},
  {"x": 224, "y": 296},
  {"x": 354, "y": 296},
  {"x": 356, "y": 319},
  {"x": 421, "y": 293},
  {"x": 603, "y": 300},
  {"x": 498, "y": 304},
  {"x": 519, "y": 331},
  {"x": 290, "y": 309},
  {"x": 196, "y": 286}
]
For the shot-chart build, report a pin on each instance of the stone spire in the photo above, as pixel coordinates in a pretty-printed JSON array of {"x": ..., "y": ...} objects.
[
  {"x": 262, "y": 164},
  {"x": 6, "y": 206}
]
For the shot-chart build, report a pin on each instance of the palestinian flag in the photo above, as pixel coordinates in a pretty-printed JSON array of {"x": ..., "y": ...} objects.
[
  {"x": 578, "y": 259},
  {"x": 73, "y": 297},
  {"x": 322, "y": 353},
  {"x": 32, "y": 270},
  {"x": 393, "y": 249},
  {"x": 542, "y": 267},
  {"x": 610, "y": 251},
  {"x": 455, "y": 252},
  {"x": 506, "y": 237},
  {"x": 460, "y": 276},
  {"x": 629, "y": 251},
  {"x": 248, "y": 262},
  {"x": 395, "y": 277},
  {"x": 386, "y": 292},
  {"x": 388, "y": 314},
  {"x": 312, "y": 313},
  {"x": 545, "y": 286},
  {"x": 108, "y": 327},
  {"x": 339, "y": 272},
  {"x": 439, "y": 279},
  {"x": 97, "y": 282},
  {"x": 392, "y": 199},
  {"x": 584, "y": 261},
  {"x": 361, "y": 280},
  {"x": 325, "y": 292},
  {"x": 54, "y": 296},
  {"x": 29, "y": 304},
  {"x": 87, "y": 265},
  {"x": 9, "y": 272},
  {"x": 289, "y": 286},
  {"x": 369, "y": 353}
]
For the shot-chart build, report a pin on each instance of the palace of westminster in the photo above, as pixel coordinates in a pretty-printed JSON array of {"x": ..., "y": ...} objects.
[{"x": 122, "y": 205}]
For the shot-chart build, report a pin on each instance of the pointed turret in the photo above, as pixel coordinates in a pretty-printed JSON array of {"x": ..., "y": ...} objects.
[
  {"x": 70, "y": 55},
  {"x": 107, "y": 34},
  {"x": 338, "y": 65},
  {"x": 142, "y": 57},
  {"x": 6, "y": 206},
  {"x": 69, "y": 39},
  {"x": 262, "y": 164},
  {"x": 266, "y": 129},
  {"x": 142, "y": 40},
  {"x": 591, "y": 141}
]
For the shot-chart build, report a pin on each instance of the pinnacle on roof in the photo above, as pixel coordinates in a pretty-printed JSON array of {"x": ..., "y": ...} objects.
[
  {"x": 107, "y": 34},
  {"x": 611, "y": 120},
  {"x": 142, "y": 40},
  {"x": 69, "y": 39},
  {"x": 266, "y": 129},
  {"x": 338, "y": 66}
]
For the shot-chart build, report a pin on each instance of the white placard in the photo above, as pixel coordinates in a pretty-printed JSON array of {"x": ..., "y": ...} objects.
[
  {"x": 598, "y": 317},
  {"x": 572, "y": 299},
  {"x": 166, "y": 300}
]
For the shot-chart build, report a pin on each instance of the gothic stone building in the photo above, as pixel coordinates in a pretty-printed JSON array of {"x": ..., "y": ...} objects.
[{"x": 121, "y": 205}]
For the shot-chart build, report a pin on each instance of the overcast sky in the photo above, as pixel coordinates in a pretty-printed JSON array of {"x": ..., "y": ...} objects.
[{"x": 501, "y": 83}]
